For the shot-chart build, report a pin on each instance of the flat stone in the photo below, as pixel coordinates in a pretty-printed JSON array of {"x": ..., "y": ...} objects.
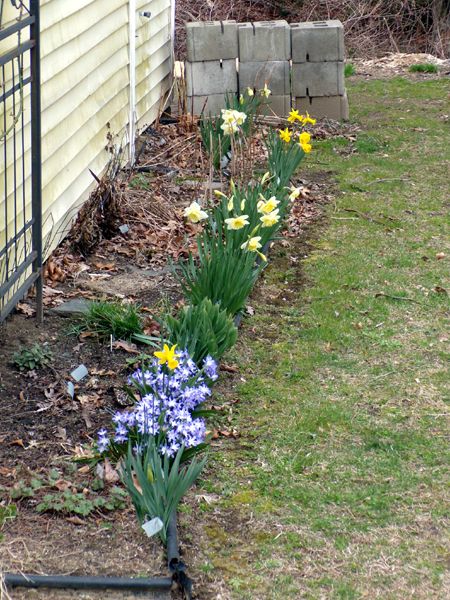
[{"x": 74, "y": 306}]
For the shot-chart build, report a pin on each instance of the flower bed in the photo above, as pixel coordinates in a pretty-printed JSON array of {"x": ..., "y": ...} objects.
[{"x": 157, "y": 442}]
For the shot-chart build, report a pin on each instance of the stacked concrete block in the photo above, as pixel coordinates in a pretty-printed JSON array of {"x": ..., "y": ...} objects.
[
  {"x": 318, "y": 84},
  {"x": 210, "y": 69},
  {"x": 264, "y": 59}
]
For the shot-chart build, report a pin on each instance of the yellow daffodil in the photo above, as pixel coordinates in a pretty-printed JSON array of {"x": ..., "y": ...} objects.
[
  {"x": 304, "y": 138},
  {"x": 194, "y": 213},
  {"x": 237, "y": 222},
  {"x": 265, "y": 91},
  {"x": 308, "y": 119},
  {"x": 270, "y": 219},
  {"x": 295, "y": 192},
  {"x": 230, "y": 204},
  {"x": 168, "y": 355},
  {"x": 306, "y": 148},
  {"x": 294, "y": 116},
  {"x": 267, "y": 206},
  {"x": 285, "y": 135},
  {"x": 241, "y": 99},
  {"x": 243, "y": 203},
  {"x": 220, "y": 194},
  {"x": 250, "y": 92},
  {"x": 253, "y": 245}
]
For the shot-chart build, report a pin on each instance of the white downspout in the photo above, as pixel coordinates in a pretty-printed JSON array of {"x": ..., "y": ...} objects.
[
  {"x": 172, "y": 31},
  {"x": 132, "y": 78}
]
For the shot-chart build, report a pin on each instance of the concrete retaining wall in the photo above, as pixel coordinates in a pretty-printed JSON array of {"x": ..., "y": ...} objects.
[{"x": 301, "y": 63}]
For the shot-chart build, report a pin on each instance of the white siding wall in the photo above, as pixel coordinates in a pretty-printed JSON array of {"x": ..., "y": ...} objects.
[{"x": 85, "y": 94}]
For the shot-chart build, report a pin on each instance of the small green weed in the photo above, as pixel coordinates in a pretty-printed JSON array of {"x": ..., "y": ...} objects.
[
  {"x": 81, "y": 498},
  {"x": 7, "y": 513},
  {"x": 35, "y": 357},
  {"x": 104, "y": 318},
  {"x": 349, "y": 70},
  {"x": 141, "y": 181},
  {"x": 423, "y": 68},
  {"x": 81, "y": 504}
]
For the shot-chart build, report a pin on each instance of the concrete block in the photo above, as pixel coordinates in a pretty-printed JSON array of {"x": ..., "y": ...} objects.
[
  {"x": 318, "y": 79},
  {"x": 210, "y": 105},
  {"x": 264, "y": 40},
  {"x": 211, "y": 77},
  {"x": 332, "y": 107},
  {"x": 280, "y": 105},
  {"x": 317, "y": 41},
  {"x": 276, "y": 74},
  {"x": 211, "y": 40}
]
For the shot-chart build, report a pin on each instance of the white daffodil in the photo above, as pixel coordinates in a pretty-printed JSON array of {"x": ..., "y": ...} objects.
[{"x": 194, "y": 213}]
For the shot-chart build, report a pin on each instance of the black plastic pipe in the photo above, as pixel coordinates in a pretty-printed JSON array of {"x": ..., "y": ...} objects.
[{"x": 83, "y": 582}]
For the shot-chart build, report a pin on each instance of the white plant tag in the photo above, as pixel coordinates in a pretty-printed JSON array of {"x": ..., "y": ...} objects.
[
  {"x": 71, "y": 389},
  {"x": 153, "y": 527},
  {"x": 79, "y": 373}
]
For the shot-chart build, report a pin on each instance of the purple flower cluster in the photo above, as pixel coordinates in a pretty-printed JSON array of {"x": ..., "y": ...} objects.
[{"x": 167, "y": 399}]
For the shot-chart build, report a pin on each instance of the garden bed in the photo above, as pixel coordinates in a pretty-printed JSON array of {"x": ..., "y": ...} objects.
[{"x": 43, "y": 428}]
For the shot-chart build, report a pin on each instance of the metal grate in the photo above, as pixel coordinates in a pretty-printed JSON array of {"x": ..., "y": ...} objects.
[{"x": 20, "y": 157}]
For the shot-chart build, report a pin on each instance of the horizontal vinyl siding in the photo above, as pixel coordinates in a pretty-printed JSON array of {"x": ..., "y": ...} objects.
[{"x": 85, "y": 88}]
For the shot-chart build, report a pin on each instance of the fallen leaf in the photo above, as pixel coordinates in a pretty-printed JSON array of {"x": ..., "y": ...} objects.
[
  {"x": 84, "y": 469},
  {"x": 62, "y": 485},
  {"x": 26, "y": 309},
  {"x": 17, "y": 442},
  {"x": 127, "y": 346},
  {"x": 110, "y": 474},
  {"x": 75, "y": 520},
  {"x": 7, "y": 472},
  {"x": 440, "y": 290},
  {"x": 440, "y": 255},
  {"x": 229, "y": 368},
  {"x": 22, "y": 396}
]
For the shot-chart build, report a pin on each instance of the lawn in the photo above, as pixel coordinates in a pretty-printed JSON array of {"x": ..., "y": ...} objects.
[{"x": 336, "y": 484}]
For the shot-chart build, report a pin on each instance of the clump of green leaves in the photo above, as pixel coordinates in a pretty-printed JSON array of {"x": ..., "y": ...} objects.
[
  {"x": 35, "y": 357},
  {"x": 423, "y": 68},
  {"x": 105, "y": 319},
  {"x": 283, "y": 158},
  {"x": 162, "y": 482},
  {"x": 202, "y": 329},
  {"x": 141, "y": 181},
  {"x": 78, "y": 503},
  {"x": 349, "y": 69},
  {"x": 224, "y": 274}
]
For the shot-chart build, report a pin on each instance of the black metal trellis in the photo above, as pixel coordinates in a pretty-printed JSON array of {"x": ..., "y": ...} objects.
[{"x": 20, "y": 158}]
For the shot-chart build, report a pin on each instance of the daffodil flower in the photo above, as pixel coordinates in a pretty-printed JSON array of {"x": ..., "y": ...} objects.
[
  {"x": 220, "y": 194},
  {"x": 250, "y": 92},
  {"x": 285, "y": 135},
  {"x": 267, "y": 206},
  {"x": 194, "y": 213},
  {"x": 294, "y": 116},
  {"x": 230, "y": 204},
  {"x": 295, "y": 192},
  {"x": 265, "y": 177},
  {"x": 306, "y": 148},
  {"x": 304, "y": 138},
  {"x": 265, "y": 91},
  {"x": 270, "y": 219},
  {"x": 237, "y": 222},
  {"x": 253, "y": 245},
  {"x": 241, "y": 99},
  {"x": 307, "y": 119},
  {"x": 243, "y": 203},
  {"x": 167, "y": 355},
  {"x": 228, "y": 128}
]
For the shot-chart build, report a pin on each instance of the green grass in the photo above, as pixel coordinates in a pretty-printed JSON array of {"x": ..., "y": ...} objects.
[
  {"x": 349, "y": 69},
  {"x": 103, "y": 318},
  {"x": 423, "y": 68},
  {"x": 335, "y": 487}
]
